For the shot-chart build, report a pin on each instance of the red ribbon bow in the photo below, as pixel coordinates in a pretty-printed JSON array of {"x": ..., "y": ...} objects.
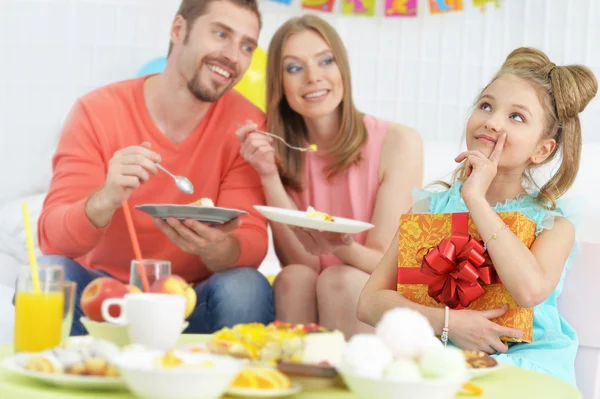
[{"x": 455, "y": 267}]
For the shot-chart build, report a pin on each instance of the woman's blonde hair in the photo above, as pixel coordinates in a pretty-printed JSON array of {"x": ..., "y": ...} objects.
[
  {"x": 564, "y": 92},
  {"x": 285, "y": 122}
]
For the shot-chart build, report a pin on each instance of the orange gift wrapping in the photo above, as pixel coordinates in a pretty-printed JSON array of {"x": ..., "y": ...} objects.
[{"x": 441, "y": 261}]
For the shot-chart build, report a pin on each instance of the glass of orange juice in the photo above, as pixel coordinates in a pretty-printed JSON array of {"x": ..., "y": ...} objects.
[{"x": 39, "y": 314}]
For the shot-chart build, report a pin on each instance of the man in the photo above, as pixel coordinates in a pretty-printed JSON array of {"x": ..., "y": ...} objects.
[{"x": 185, "y": 118}]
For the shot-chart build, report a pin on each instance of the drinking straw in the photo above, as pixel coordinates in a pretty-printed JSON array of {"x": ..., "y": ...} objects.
[
  {"x": 30, "y": 249},
  {"x": 136, "y": 246}
]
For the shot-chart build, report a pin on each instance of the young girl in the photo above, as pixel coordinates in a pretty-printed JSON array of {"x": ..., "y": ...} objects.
[
  {"x": 365, "y": 169},
  {"x": 522, "y": 119}
]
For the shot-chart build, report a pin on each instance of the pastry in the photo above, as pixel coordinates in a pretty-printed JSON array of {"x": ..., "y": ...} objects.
[
  {"x": 84, "y": 357},
  {"x": 44, "y": 363},
  {"x": 479, "y": 360},
  {"x": 279, "y": 341}
]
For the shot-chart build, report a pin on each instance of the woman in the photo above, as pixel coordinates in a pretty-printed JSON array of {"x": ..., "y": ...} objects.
[{"x": 364, "y": 169}]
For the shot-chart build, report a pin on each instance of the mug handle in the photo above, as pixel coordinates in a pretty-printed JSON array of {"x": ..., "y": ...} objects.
[{"x": 121, "y": 320}]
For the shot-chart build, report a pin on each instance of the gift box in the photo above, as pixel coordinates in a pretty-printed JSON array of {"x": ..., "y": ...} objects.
[{"x": 441, "y": 261}]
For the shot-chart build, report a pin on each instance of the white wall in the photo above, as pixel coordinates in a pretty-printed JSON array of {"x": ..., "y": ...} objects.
[{"x": 423, "y": 72}]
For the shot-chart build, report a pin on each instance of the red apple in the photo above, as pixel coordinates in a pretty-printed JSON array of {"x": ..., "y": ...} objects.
[
  {"x": 96, "y": 292},
  {"x": 174, "y": 284}
]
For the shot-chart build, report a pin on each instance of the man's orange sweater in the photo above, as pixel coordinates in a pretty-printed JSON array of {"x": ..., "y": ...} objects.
[{"x": 114, "y": 117}]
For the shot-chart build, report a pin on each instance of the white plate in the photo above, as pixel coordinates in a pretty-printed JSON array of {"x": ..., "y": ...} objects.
[
  {"x": 264, "y": 393},
  {"x": 299, "y": 219},
  {"x": 480, "y": 372},
  {"x": 65, "y": 380},
  {"x": 193, "y": 348},
  {"x": 206, "y": 214}
]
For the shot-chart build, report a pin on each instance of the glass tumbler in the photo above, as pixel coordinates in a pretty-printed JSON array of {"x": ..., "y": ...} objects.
[
  {"x": 39, "y": 314},
  {"x": 155, "y": 269}
]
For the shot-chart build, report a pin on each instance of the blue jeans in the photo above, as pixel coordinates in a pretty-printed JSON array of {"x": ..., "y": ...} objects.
[{"x": 238, "y": 295}]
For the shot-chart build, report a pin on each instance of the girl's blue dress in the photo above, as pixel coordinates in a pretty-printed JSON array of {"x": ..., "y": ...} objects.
[{"x": 555, "y": 343}]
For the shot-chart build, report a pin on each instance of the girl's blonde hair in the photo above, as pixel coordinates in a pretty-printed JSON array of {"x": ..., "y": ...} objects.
[
  {"x": 564, "y": 92},
  {"x": 282, "y": 120}
]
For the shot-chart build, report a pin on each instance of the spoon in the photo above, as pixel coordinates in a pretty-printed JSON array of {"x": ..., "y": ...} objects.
[
  {"x": 181, "y": 182},
  {"x": 311, "y": 148}
]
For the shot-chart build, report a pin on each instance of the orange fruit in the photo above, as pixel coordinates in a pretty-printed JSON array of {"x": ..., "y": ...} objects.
[
  {"x": 245, "y": 379},
  {"x": 271, "y": 379},
  {"x": 284, "y": 380}
]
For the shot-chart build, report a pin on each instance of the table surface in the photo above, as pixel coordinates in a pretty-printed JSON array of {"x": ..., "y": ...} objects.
[{"x": 508, "y": 382}]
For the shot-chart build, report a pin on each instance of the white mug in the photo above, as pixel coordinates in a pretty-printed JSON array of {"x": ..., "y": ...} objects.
[{"x": 153, "y": 320}]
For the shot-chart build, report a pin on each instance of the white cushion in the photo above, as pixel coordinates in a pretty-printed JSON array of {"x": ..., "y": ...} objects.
[{"x": 12, "y": 230}]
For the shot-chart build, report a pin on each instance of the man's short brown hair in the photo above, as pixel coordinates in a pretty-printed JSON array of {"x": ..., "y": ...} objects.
[{"x": 191, "y": 10}]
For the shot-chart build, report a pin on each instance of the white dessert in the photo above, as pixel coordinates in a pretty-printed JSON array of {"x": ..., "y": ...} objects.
[
  {"x": 324, "y": 347},
  {"x": 403, "y": 370},
  {"x": 405, "y": 331},
  {"x": 205, "y": 202},
  {"x": 104, "y": 349},
  {"x": 366, "y": 355},
  {"x": 446, "y": 361}
]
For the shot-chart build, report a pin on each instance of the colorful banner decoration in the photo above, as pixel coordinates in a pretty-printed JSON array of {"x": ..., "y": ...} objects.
[
  {"x": 443, "y": 6},
  {"x": 285, "y": 2},
  {"x": 358, "y": 7},
  {"x": 318, "y": 5},
  {"x": 481, "y": 3},
  {"x": 400, "y": 8}
]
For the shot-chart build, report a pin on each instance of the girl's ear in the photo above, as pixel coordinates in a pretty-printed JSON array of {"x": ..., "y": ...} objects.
[{"x": 543, "y": 151}]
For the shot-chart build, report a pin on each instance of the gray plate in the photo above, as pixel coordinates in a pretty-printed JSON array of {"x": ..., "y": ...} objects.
[{"x": 205, "y": 214}]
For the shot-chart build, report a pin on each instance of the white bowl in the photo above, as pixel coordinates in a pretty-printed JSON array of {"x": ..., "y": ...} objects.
[
  {"x": 368, "y": 388},
  {"x": 148, "y": 381},
  {"x": 115, "y": 333}
]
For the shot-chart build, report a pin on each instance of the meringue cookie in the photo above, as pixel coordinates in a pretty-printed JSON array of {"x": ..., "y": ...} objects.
[
  {"x": 405, "y": 331},
  {"x": 403, "y": 370},
  {"x": 446, "y": 361},
  {"x": 367, "y": 356}
]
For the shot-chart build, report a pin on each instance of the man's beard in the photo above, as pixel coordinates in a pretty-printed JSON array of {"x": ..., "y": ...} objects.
[{"x": 204, "y": 93}]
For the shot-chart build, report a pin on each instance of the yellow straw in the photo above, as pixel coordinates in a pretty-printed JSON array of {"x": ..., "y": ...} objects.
[{"x": 30, "y": 249}]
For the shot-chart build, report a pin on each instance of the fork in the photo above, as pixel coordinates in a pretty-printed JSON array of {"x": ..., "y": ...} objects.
[{"x": 310, "y": 148}]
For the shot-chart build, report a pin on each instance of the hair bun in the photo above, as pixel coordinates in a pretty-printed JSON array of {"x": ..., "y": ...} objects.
[
  {"x": 574, "y": 87},
  {"x": 528, "y": 58}
]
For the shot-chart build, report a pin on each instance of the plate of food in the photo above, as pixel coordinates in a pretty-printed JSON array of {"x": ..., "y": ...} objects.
[
  {"x": 76, "y": 364},
  {"x": 306, "y": 353},
  {"x": 480, "y": 363},
  {"x": 313, "y": 219},
  {"x": 202, "y": 210}
]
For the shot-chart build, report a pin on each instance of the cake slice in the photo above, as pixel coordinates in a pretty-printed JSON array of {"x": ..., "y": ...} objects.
[{"x": 311, "y": 213}]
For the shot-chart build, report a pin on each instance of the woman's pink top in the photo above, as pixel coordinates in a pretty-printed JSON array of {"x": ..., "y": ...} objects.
[{"x": 351, "y": 194}]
